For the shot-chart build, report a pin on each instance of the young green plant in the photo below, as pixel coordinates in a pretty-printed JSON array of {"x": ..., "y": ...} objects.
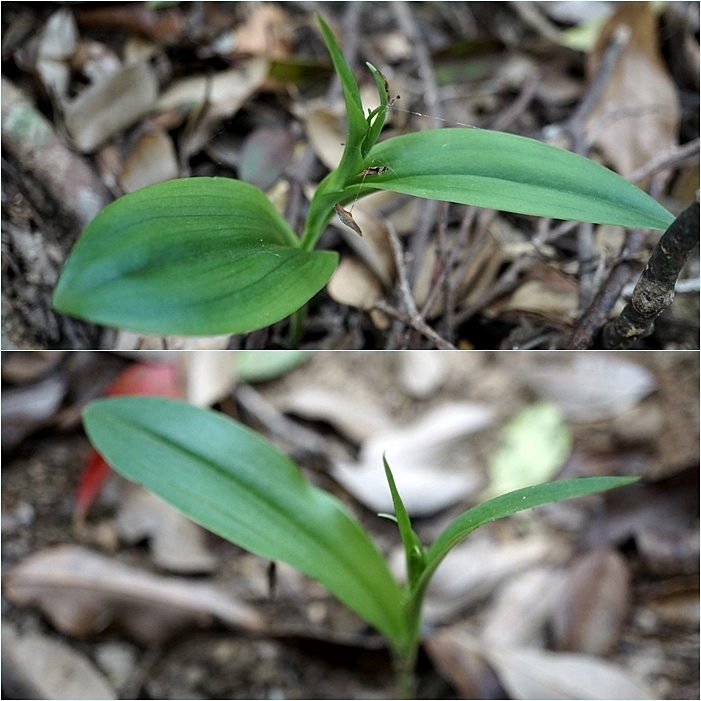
[
  {"x": 236, "y": 484},
  {"x": 203, "y": 256}
]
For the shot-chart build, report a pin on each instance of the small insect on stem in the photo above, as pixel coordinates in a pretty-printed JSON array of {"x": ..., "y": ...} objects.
[
  {"x": 347, "y": 218},
  {"x": 373, "y": 170}
]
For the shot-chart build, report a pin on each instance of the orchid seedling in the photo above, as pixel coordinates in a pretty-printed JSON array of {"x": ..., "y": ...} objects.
[
  {"x": 204, "y": 256},
  {"x": 233, "y": 482}
]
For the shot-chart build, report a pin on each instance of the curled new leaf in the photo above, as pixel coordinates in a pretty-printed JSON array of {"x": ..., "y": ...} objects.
[{"x": 198, "y": 256}]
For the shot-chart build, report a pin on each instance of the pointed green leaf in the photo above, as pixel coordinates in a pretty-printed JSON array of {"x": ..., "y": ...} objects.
[
  {"x": 197, "y": 256},
  {"x": 511, "y": 173},
  {"x": 231, "y": 481},
  {"x": 413, "y": 549}
]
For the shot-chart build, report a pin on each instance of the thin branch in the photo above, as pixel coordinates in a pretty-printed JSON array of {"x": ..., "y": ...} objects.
[{"x": 654, "y": 291}]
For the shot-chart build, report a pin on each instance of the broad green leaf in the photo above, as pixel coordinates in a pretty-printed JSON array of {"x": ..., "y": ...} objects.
[
  {"x": 233, "y": 482},
  {"x": 197, "y": 256},
  {"x": 511, "y": 173},
  {"x": 533, "y": 447}
]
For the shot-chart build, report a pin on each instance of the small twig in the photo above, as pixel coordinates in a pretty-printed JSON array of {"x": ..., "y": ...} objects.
[
  {"x": 414, "y": 318},
  {"x": 513, "y": 112},
  {"x": 670, "y": 158},
  {"x": 590, "y": 323},
  {"x": 654, "y": 291}
]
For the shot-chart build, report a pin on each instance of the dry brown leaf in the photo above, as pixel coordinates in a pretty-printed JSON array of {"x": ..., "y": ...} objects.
[
  {"x": 82, "y": 593},
  {"x": 528, "y": 673},
  {"x": 637, "y": 116},
  {"x": 56, "y": 46},
  {"x": 593, "y": 603},
  {"x": 106, "y": 108},
  {"x": 267, "y": 31},
  {"x": 176, "y": 543},
  {"x": 324, "y": 129},
  {"x": 457, "y": 656},
  {"x": 151, "y": 160},
  {"x": 208, "y": 377}
]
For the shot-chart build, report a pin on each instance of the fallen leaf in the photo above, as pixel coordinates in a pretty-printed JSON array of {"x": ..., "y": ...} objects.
[
  {"x": 104, "y": 109},
  {"x": 208, "y": 377},
  {"x": 151, "y": 160},
  {"x": 82, "y": 593},
  {"x": 176, "y": 543},
  {"x": 475, "y": 568},
  {"x": 422, "y": 373},
  {"x": 539, "y": 674},
  {"x": 593, "y": 604},
  {"x": 590, "y": 387},
  {"x": 534, "y": 446},
  {"x": 634, "y": 119},
  {"x": 432, "y": 465},
  {"x": 354, "y": 284},
  {"x": 47, "y": 668},
  {"x": 265, "y": 154},
  {"x": 355, "y": 418}
]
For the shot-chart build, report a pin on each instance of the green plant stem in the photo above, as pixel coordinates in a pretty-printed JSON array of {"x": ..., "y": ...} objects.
[
  {"x": 404, "y": 675},
  {"x": 295, "y": 333}
]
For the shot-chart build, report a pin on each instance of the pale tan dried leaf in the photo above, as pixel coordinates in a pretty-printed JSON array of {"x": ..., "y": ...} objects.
[
  {"x": 538, "y": 674},
  {"x": 176, "y": 543},
  {"x": 476, "y": 567},
  {"x": 590, "y": 387},
  {"x": 354, "y": 284},
  {"x": 151, "y": 160},
  {"x": 422, "y": 373},
  {"x": 268, "y": 31},
  {"x": 431, "y": 461},
  {"x": 82, "y": 593},
  {"x": 324, "y": 129},
  {"x": 47, "y": 668},
  {"x": 354, "y": 418},
  {"x": 522, "y": 608},
  {"x": 208, "y": 377},
  {"x": 106, "y": 108}
]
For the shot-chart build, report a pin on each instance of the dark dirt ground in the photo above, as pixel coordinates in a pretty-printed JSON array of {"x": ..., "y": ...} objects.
[
  {"x": 659, "y": 636},
  {"x": 515, "y": 280}
]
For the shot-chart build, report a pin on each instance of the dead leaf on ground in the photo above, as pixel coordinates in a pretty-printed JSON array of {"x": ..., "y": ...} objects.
[
  {"x": 590, "y": 387},
  {"x": 637, "y": 116},
  {"x": 46, "y": 668},
  {"x": 422, "y": 373},
  {"x": 265, "y": 154},
  {"x": 176, "y": 543},
  {"x": 104, "y": 109},
  {"x": 207, "y": 377},
  {"x": 593, "y": 604},
  {"x": 432, "y": 464},
  {"x": 151, "y": 160},
  {"x": 354, "y": 284},
  {"x": 528, "y": 673},
  {"x": 56, "y": 46},
  {"x": 475, "y": 568},
  {"x": 82, "y": 593},
  {"x": 355, "y": 418}
]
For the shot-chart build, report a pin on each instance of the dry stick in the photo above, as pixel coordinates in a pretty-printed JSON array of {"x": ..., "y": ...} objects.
[
  {"x": 405, "y": 19},
  {"x": 518, "y": 106},
  {"x": 674, "y": 156},
  {"x": 413, "y": 318},
  {"x": 654, "y": 290}
]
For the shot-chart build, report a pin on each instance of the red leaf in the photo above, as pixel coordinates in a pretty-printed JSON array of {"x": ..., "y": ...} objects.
[{"x": 141, "y": 378}]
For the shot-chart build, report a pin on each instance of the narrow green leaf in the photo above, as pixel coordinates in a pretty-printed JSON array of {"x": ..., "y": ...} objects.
[
  {"x": 511, "y": 173},
  {"x": 520, "y": 500},
  {"x": 413, "y": 549},
  {"x": 231, "y": 481},
  {"x": 197, "y": 256}
]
